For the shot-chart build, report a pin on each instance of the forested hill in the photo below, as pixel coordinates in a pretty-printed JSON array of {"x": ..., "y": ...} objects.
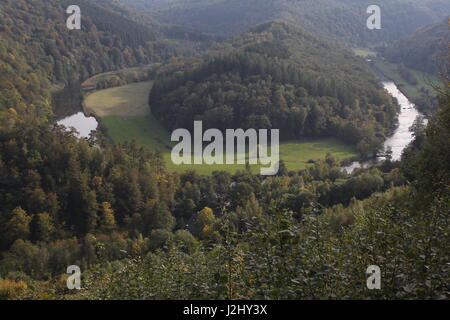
[
  {"x": 424, "y": 50},
  {"x": 277, "y": 76},
  {"x": 37, "y": 49},
  {"x": 344, "y": 19}
]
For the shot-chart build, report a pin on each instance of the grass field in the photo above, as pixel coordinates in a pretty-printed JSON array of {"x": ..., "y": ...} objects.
[
  {"x": 129, "y": 100},
  {"x": 295, "y": 154},
  {"x": 146, "y": 131},
  {"x": 364, "y": 52},
  {"x": 126, "y": 116}
]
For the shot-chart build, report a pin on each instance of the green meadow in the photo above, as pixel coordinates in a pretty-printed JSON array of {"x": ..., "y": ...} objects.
[
  {"x": 111, "y": 106},
  {"x": 146, "y": 131}
]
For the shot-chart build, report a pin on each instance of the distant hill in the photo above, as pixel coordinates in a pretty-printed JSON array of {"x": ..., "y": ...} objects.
[
  {"x": 425, "y": 50},
  {"x": 343, "y": 19},
  {"x": 277, "y": 76}
]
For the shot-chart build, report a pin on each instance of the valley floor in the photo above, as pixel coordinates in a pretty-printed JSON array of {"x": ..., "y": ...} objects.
[{"x": 124, "y": 113}]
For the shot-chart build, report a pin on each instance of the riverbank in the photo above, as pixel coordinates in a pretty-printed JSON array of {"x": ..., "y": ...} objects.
[
  {"x": 419, "y": 89},
  {"x": 402, "y": 135},
  {"x": 416, "y": 85}
]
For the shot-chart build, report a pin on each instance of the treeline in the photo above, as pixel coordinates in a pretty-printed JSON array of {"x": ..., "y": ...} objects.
[
  {"x": 277, "y": 76},
  {"x": 124, "y": 77}
]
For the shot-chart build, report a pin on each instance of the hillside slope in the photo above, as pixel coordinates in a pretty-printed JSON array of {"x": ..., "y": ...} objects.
[
  {"x": 38, "y": 53},
  {"x": 277, "y": 76},
  {"x": 344, "y": 19},
  {"x": 424, "y": 50}
]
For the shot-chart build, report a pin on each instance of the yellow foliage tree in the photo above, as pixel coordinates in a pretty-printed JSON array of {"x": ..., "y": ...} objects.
[
  {"x": 108, "y": 221},
  {"x": 205, "y": 224}
]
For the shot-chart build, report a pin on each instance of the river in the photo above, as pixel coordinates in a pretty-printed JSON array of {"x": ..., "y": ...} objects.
[
  {"x": 402, "y": 135},
  {"x": 84, "y": 125}
]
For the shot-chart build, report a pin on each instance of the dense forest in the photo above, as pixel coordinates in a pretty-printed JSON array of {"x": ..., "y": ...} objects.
[
  {"x": 119, "y": 214},
  {"x": 342, "y": 19},
  {"x": 277, "y": 76}
]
